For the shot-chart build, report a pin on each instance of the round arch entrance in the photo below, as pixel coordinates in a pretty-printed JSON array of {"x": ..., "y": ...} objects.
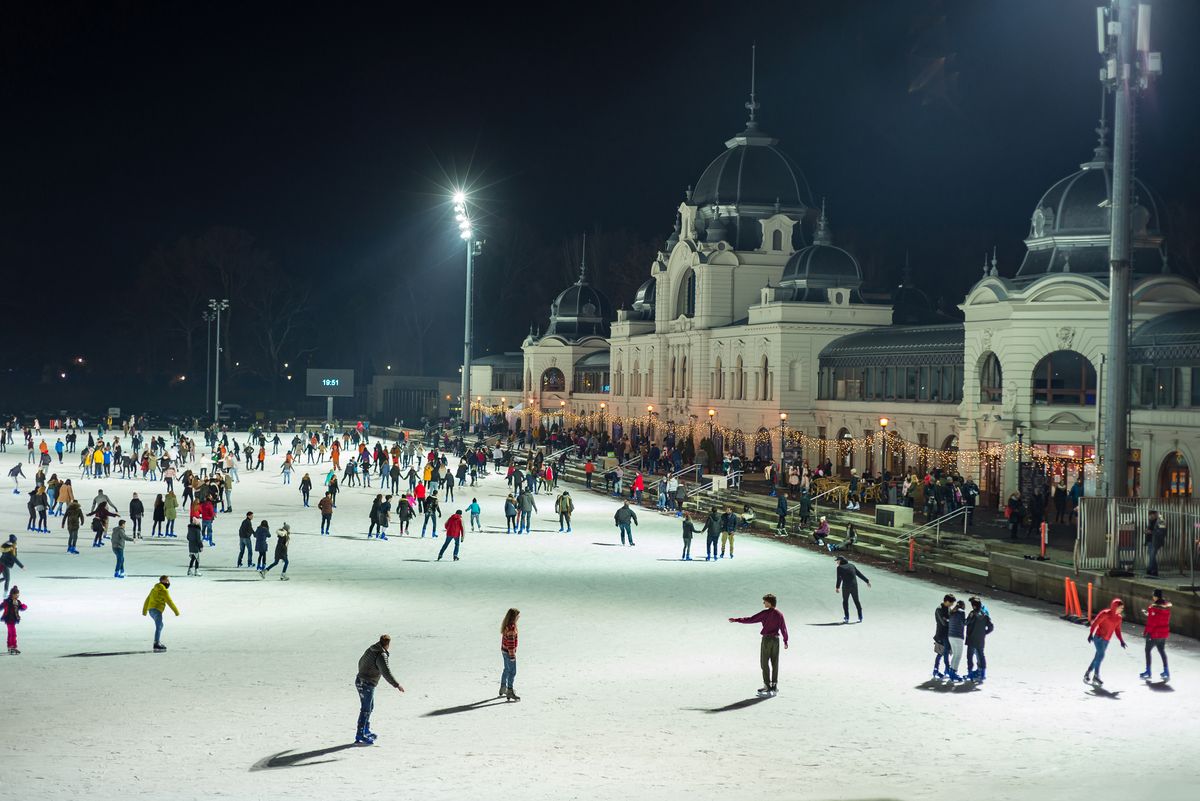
[{"x": 1175, "y": 477}]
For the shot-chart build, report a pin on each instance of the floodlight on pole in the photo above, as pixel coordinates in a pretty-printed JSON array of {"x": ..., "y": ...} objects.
[{"x": 466, "y": 232}]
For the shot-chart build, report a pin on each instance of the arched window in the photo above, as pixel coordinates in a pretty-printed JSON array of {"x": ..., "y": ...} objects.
[
  {"x": 1064, "y": 378},
  {"x": 619, "y": 380},
  {"x": 528, "y": 381},
  {"x": 793, "y": 383},
  {"x": 764, "y": 382},
  {"x": 553, "y": 380},
  {"x": 739, "y": 380},
  {"x": 1174, "y": 477},
  {"x": 636, "y": 379},
  {"x": 686, "y": 304},
  {"x": 718, "y": 383},
  {"x": 671, "y": 379},
  {"x": 777, "y": 240},
  {"x": 991, "y": 380},
  {"x": 650, "y": 379},
  {"x": 685, "y": 383}
]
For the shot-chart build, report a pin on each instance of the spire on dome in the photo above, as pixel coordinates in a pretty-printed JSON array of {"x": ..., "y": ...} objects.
[
  {"x": 823, "y": 236},
  {"x": 994, "y": 271},
  {"x": 583, "y": 261},
  {"x": 1102, "y": 155},
  {"x": 752, "y": 106}
]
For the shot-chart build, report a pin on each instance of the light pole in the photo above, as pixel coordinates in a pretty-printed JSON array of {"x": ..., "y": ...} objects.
[
  {"x": 562, "y": 416},
  {"x": 1020, "y": 455},
  {"x": 649, "y": 422},
  {"x": 711, "y": 414},
  {"x": 883, "y": 468},
  {"x": 466, "y": 232},
  {"x": 208, "y": 318},
  {"x": 217, "y": 306},
  {"x": 782, "y": 440}
]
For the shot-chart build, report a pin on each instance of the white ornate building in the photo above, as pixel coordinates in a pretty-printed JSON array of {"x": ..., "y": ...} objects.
[{"x": 751, "y": 310}]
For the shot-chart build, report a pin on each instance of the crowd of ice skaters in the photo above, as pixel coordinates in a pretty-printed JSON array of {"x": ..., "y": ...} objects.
[{"x": 415, "y": 479}]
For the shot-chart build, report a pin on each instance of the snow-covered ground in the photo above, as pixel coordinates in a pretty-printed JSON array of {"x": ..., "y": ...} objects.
[{"x": 634, "y": 686}]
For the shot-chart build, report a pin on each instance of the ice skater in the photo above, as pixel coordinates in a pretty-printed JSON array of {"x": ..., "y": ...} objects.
[
  {"x": 325, "y": 506},
  {"x": 564, "y": 506},
  {"x": 624, "y": 519},
  {"x": 195, "y": 543},
  {"x": 119, "y": 540},
  {"x": 10, "y": 612},
  {"x": 261, "y": 535},
  {"x": 16, "y": 474},
  {"x": 773, "y": 625},
  {"x": 508, "y": 654},
  {"x": 941, "y": 638},
  {"x": 847, "y": 584},
  {"x": 372, "y": 665},
  {"x": 245, "y": 536},
  {"x": 283, "y": 538},
  {"x": 689, "y": 531},
  {"x": 1158, "y": 629},
  {"x": 1103, "y": 627},
  {"x": 712, "y": 533},
  {"x": 956, "y": 633},
  {"x": 473, "y": 510},
  {"x": 979, "y": 626},
  {"x": 454, "y": 531},
  {"x": 155, "y": 604}
]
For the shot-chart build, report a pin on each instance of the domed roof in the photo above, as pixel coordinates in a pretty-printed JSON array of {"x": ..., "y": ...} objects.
[
  {"x": 580, "y": 310},
  {"x": 1069, "y": 229},
  {"x": 821, "y": 265},
  {"x": 753, "y": 172},
  {"x": 643, "y": 300},
  {"x": 1171, "y": 339}
]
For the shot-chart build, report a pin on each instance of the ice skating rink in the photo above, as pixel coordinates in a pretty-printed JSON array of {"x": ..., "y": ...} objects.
[{"x": 634, "y": 684}]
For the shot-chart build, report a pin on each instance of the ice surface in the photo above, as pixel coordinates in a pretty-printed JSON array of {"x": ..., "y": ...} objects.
[{"x": 631, "y": 676}]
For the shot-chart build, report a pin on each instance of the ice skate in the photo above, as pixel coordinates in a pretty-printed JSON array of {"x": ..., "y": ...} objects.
[
  {"x": 512, "y": 696},
  {"x": 1145, "y": 674}
]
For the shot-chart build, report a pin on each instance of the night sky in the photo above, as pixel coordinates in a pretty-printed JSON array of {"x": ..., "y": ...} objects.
[{"x": 329, "y": 135}]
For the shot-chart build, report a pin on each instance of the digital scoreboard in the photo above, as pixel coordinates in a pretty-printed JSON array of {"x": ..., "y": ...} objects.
[{"x": 330, "y": 383}]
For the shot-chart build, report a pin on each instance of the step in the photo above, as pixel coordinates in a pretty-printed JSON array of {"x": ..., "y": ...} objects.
[{"x": 960, "y": 571}]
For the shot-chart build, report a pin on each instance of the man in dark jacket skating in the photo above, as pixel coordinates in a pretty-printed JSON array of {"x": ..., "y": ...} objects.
[
  {"x": 372, "y": 665},
  {"x": 245, "y": 537},
  {"x": 847, "y": 583}
]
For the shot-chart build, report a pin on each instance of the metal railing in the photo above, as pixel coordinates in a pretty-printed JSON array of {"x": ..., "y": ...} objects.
[
  {"x": 693, "y": 469},
  {"x": 700, "y": 487},
  {"x": 629, "y": 462},
  {"x": 1111, "y": 534},
  {"x": 560, "y": 452},
  {"x": 830, "y": 491},
  {"x": 936, "y": 524}
]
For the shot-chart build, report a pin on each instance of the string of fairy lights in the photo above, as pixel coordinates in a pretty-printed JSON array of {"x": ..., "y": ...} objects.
[{"x": 835, "y": 449}]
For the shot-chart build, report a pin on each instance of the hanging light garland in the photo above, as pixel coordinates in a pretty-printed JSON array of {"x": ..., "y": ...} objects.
[{"x": 837, "y": 448}]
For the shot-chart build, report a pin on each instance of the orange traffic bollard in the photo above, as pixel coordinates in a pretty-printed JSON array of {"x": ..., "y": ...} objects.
[
  {"x": 911, "y": 552},
  {"x": 1043, "y": 533}
]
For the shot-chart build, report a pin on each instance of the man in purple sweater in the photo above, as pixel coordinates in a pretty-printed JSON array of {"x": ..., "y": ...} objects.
[{"x": 773, "y": 625}]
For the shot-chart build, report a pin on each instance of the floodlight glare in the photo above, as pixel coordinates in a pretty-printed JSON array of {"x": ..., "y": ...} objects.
[{"x": 460, "y": 197}]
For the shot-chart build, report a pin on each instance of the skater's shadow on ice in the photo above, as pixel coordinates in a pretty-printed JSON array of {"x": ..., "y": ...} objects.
[
  {"x": 834, "y": 623},
  {"x": 454, "y": 710},
  {"x": 290, "y": 759},
  {"x": 416, "y": 560},
  {"x": 104, "y": 653},
  {"x": 932, "y": 685},
  {"x": 611, "y": 545},
  {"x": 745, "y": 702}
]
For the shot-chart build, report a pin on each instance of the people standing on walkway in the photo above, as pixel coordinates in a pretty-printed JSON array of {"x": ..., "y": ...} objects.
[
  {"x": 1156, "y": 538},
  {"x": 508, "y": 654},
  {"x": 283, "y": 538},
  {"x": 979, "y": 626},
  {"x": 155, "y": 604},
  {"x": 847, "y": 583},
  {"x": 10, "y": 612},
  {"x": 1104, "y": 626},
  {"x": 773, "y": 625},
  {"x": 625, "y": 518},
  {"x": 372, "y": 665},
  {"x": 454, "y": 531},
  {"x": 1158, "y": 629}
]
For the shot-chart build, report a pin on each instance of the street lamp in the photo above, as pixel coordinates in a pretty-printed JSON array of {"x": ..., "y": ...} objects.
[
  {"x": 208, "y": 318},
  {"x": 1020, "y": 454},
  {"x": 782, "y": 440},
  {"x": 711, "y": 414},
  {"x": 883, "y": 424},
  {"x": 466, "y": 232},
  {"x": 217, "y": 306}
]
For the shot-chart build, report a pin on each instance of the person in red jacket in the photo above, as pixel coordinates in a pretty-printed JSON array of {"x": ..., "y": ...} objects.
[
  {"x": 1158, "y": 628},
  {"x": 638, "y": 487},
  {"x": 1105, "y": 625},
  {"x": 588, "y": 469},
  {"x": 454, "y": 531},
  {"x": 207, "y": 513}
]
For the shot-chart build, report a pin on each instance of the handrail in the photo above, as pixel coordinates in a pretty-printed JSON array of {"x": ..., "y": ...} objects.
[
  {"x": 829, "y": 491},
  {"x": 685, "y": 471},
  {"x": 936, "y": 524},
  {"x": 560, "y": 451},
  {"x": 699, "y": 488},
  {"x": 631, "y": 461}
]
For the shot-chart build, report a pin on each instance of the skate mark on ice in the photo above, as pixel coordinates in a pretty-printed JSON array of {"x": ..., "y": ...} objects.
[
  {"x": 454, "y": 710},
  {"x": 104, "y": 653},
  {"x": 288, "y": 759},
  {"x": 745, "y": 702}
]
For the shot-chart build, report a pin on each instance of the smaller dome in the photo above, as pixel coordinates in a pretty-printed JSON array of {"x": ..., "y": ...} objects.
[
  {"x": 643, "y": 300},
  {"x": 821, "y": 265}
]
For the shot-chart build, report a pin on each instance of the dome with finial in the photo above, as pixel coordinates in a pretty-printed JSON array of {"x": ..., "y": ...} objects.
[
  {"x": 820, "y": 266},
  {"x": 753, "y": 179},
  {"x": 1069, "y": 227},
  {"x": 580, "y": 310}
]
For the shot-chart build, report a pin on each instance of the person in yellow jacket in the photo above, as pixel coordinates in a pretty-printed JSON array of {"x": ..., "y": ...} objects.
[
  {"x": 156, "y": 603},
  {"x": 98, "y": 461}
]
